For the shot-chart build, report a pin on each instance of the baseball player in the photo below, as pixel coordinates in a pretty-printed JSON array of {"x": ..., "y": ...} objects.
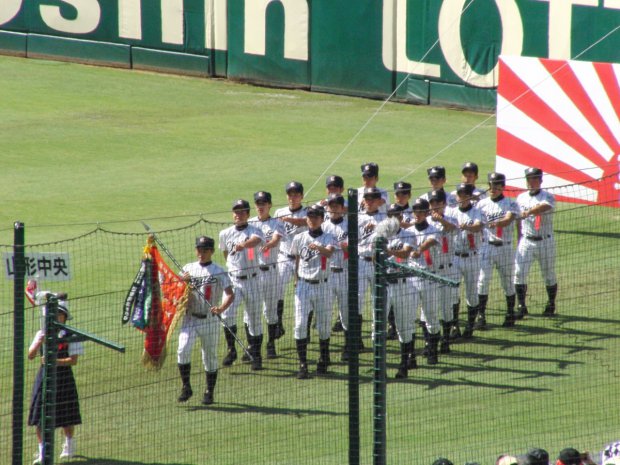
[
  {"x": 334, "y": 185},
  {"x": 536, "y": 207},
  {"x": 239, "y": 244},
  {"x": 467, "y": 244},
  {"x": 498, "y": 212},
  {"x": 424, "y": 255},
  {"x": 312, "y": 250},
  {"x": 337, "y": 226},
  {"x": 442, "y": 219},
  {"x": 402, "y": 194},
  {"x": 367, "y": 222},
  {"x": 273, "y": 232},
  {"x": 209, "y": 280},
  {"x": 370, "y": 178},
  {"x": 437, "y": 178},
  {"x": 400, "y": 297},
  {"x": 293, "y": 218},
  {"x": 469, "y": 173}
]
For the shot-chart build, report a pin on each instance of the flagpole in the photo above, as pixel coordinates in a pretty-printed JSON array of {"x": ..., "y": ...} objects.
[{"x": 179, "y": 267}]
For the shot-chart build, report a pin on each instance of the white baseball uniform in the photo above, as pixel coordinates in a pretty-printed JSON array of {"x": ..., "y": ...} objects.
[
  {"x": 243, "y": 269},
  {"x": 268, "y": 266},
  {"x": 537, "y": 241},
  {"x": 467, "y": 250},
  {"x": 209, "y": 280},
  {"x": 286, "y": 260},
  {"x": 312, "y": 292},
  {"x": 399, "y": 291},
  {"x": 476, "y": 197},
  {"x": 339, "y": 274},
  {"x": 367, "y": 223},
  {"x": 447, "y": 295},
  {"x": 429, "y": 260},
  {"x": 497, "y": 250}
]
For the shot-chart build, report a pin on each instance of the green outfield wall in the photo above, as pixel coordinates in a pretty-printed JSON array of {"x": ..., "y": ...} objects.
[{"x": 428, "y": 51}]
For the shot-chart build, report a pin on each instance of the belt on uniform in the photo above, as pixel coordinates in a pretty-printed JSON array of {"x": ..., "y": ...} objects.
[
  {"x": 464, "y": 255},
  {"x": 396, "y": 280},
  {"x": 314, "y": 281},
  {"x": 367, "y": 259},
  {"x": 292, "y": 257},
  {"x": 247, "y": 276},
  {"x": 266, "y": 267},
  {"x": 498, "y": 243},
  {"x": 199, "y": 316},
  {"x": 537, "y": 238},
  {"x": 441, "y": 267},
  {"x": 336, "y": 270}
]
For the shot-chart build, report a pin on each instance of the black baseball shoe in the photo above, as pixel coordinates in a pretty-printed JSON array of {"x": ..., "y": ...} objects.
[
  {"x": 257, "y": 363},
  {"x": 549, "y": 309},
  {"x": 337, "y": 328},
  {"x": 303, "y": 371},
  {"x": 412, "y": 363},
  {"x": 321, "y": 367},
  {"x": 231, "y": 356},
  {"x": 521, "y": 312},
  {"x": 402, "y": 372},
  {"x": 271, "y": 350},
  {"x": 207, "y": 399},
  {"x": 186, "y": 393},
  {"x": 509, "y": 320}
]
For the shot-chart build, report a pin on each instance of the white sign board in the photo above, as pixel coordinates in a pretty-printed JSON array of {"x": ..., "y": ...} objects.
[{"x": 45, "y": 266}]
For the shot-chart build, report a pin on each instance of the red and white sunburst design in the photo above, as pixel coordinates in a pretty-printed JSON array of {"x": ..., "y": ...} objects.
[{"x": 564, "y": 118}]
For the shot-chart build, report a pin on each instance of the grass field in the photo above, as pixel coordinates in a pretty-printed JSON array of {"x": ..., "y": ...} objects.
[{"x": 84, "y": 146}]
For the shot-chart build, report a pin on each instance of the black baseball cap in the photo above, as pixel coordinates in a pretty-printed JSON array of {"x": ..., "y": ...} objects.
[
  {"x": 533, "y": 173},
  {"x": 438, "y": 195},
  {"x": 294, "y": 186},
  {"x": 442, "y": 461},
  {"x": 335, "y": 198},
  {"x": 420, "y": 205},
  {"x": 205, "y": 242},
  {"x": 395, "y": 209},
  {"x": 316, "y": 210},
  {"x": 334, "y": 180},
  {"x": 496, "y": 178},
  {"x": 262, "y": 196},
  {"x": 464, "y": 188},
  {"x": 570, "y": 456},
  {"x": 436, "y": 172},
  {"x": 370, "y": 169},
  {"x": 372, "y": 192},
  {"x": 470, "y": 166},
  {"x": 536, "y": 456},
  {"x": 404, "y": 187},
  {"x": 241, "y": 205}
]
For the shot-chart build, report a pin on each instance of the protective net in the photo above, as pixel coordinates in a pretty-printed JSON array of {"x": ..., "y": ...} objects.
[{"x": 547, "y": 382}]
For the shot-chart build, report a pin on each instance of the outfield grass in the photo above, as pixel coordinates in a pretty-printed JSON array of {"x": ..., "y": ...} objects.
[{"x": 84, "y": 145}]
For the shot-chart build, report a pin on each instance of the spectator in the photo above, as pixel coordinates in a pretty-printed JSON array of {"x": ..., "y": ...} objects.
[
  {"x": 536, "y": 457},
  {"x": 506, "y": 459},
  {"x": 442, "y": 461}
]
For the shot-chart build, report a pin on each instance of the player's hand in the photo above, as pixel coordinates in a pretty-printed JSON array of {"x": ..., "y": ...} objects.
[
  {"x": 416, "y": 253},
  {"x": 239, "y": 247},
  {"x": 216, "y": 310},
  {"x": 369, "y": 227},
  {"x": 492, "y": 225},
  {"x": 186, "y": 277}
]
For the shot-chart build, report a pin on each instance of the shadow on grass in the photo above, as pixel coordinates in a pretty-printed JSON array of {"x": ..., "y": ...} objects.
[
  {"x": 248, "y": 408},
  {"x": 83, "y": 460},
  {"x": 436, "y": 383}
]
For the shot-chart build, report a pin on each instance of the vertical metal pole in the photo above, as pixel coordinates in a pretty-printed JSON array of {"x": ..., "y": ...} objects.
[
  {"x": 48, "y": 393},
  {"x": 18, "y": 343},
  {"x": 379, "y": 444},
  {"x": 353, "y": 335}
]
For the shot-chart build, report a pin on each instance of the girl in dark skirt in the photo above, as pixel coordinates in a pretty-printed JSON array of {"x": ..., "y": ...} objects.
[{"x": 67, "y": 402}]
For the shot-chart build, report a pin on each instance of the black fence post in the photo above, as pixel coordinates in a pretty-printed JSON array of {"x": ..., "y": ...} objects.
[
  {"x": 19, "y": 266},
  {"x": 379, "y": 366}
]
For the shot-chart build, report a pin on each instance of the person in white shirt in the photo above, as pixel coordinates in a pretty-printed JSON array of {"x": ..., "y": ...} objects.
[
  {"x": 240, "y": 246},
  {"x": 312, "y": 250},
  {"x": 536, "y": 208}
]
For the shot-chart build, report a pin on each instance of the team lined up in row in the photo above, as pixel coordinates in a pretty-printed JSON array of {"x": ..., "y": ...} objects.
[{"x": 461, "y": 235}]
